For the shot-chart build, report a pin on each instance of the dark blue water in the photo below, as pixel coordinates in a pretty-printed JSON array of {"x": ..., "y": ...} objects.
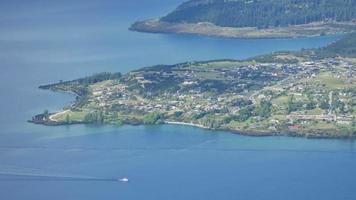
[{"x": 46, "y": 41}]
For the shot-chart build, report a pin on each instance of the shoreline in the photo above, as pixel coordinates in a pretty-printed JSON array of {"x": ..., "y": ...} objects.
[
  {"x": 39, "y": 120},
  {"x": 52, "y": 116},
  {"x": 211, "y": 30},
  {"x": 187, "y": 124},
  {"x": 154, "y": 113}
]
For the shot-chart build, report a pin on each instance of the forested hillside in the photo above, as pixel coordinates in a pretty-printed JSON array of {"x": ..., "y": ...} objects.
[
  {"x": 263, "y": 13},
  {"x": 344, "y": 47}
]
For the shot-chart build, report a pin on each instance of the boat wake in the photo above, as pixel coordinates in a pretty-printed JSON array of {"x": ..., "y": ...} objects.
[
  {"x": 14, "y": 173},
  {"x": 13, "y": 177}
]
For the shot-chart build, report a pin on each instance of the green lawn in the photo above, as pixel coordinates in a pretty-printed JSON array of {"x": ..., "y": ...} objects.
[
  {"x": 73, "y": 116},
  {"x": 330, "y": 81},
  {"x": 281, "y": 100}
]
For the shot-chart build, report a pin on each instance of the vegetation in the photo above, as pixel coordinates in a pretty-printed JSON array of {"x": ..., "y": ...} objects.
[
  {"x": 67, "y": 119},
  {"x": 262, "y": 13},
  {"x": 46, "y": 114},
  {"x": 96, "y": 78},
  {"x": 344, "y": 47},
  {"x": 265, "y": 109},
  {"x": 310, "y": 96},
  {"x": 153, "y": 118},
  {"x": 96, "y": 117}
]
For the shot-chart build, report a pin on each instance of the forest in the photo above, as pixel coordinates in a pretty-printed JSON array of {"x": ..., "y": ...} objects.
[
  {"x": 263, "y": 13},
  {"x": 344, "y": 47}
]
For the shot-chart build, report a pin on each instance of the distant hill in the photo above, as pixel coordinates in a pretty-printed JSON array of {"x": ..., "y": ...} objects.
[
  {"x": 345, "y": 47},
  {"x": 262, "y": 13}
]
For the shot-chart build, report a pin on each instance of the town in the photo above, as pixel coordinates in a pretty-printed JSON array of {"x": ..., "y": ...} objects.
[{"x": 277, "y": 94}]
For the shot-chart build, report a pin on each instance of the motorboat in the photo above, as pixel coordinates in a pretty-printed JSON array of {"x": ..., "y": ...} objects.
[{"x": 125, "y": 180}]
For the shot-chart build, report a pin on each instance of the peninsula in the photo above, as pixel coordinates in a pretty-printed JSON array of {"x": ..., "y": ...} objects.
[
  {"x": 255, "y": 18},
  {"x": 310, "y": 93}
]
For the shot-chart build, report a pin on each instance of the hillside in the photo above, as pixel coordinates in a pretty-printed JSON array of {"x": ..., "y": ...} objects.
[
  {"x": 262, "y": 13},
  {"x": 345, "y": 47},
  {"x": 256, "y": 18}
]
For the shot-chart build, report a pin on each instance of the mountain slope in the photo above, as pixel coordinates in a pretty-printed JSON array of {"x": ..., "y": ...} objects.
[
  {"x": 256, "y": 18},
  {"x": 262, "y": 13},
  {"x": 345, "y": 47}
]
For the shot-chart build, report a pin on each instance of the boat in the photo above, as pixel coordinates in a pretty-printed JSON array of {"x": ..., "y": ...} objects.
[{"x": 125, "y": 180}]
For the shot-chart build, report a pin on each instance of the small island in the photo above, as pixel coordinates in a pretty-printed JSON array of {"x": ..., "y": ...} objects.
[
  {"x": 310, "y": 93},
  {"x": 255, "y": 19}
]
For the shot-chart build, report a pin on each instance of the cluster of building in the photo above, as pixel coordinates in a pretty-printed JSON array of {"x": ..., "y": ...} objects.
[{"x": 191, "y": 98}]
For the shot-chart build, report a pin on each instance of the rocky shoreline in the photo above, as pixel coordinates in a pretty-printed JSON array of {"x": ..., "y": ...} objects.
[{"x": 42, "y": 120}]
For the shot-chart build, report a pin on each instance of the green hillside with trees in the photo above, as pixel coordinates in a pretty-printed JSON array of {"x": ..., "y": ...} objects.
[
  {"x": 263, "y": 13},
  {"x": 345, "y": 47}
]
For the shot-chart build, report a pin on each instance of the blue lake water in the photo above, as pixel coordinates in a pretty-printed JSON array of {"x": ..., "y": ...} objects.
[{"x": 46, "y": 41}]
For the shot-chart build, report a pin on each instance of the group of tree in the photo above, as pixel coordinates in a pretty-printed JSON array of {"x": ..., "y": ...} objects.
[
  {"x": 292, "y": 105},
  {"x": 241, "y": 103},
  {"x": 265, "y": 108},
  {"x": 99, "y": 78},
  {"x": 153, "y": 118},
  {"x": 45, "y": 114},
  {"x": 84, "y": 81},
  {"x": 262, "y": 13},
  {"x": 213, "y": 123},
  {"x": 96, "y": 117}
]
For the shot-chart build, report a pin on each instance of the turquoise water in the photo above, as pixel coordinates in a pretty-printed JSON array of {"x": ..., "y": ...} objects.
[{"x": 43, "y": 42}]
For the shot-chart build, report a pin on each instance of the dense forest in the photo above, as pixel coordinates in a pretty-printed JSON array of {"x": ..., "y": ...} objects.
[
  {"x": 344, "y": 47},
  {"x": 263, "y": 13}
]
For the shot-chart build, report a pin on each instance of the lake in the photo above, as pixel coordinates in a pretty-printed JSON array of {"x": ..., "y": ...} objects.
[{"x": 47, "y": 41}]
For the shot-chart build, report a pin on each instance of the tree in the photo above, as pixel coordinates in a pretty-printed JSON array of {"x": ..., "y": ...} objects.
[
  {"x": 100, "y": 119},
  {"x": 245, "y": 114},
  {"x": 67, "y": 119},
  {"x": 341, "y": 106},
  {"x": 290, "y": 104},
  {"x": 90, "y": 118},
  {"x": 152, "y": 118},
  {"x": 96, "y": 117},
  {"x": 324, "y": 105},
  {"x": 265, "y": 109},
  {"x": 310, "y": 106},
  {"x": 116, "y": 115},
  {"x": 177, "y": 114},
  {"x": 46, "y": 114},
  {"x": 241, "y": 103}
]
